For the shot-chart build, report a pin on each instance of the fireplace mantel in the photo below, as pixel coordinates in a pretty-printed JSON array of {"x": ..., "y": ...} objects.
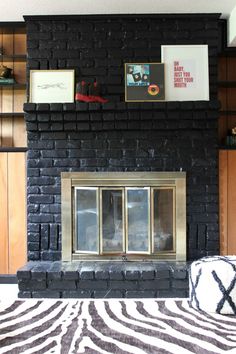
[{"x": 121, "y": 106}]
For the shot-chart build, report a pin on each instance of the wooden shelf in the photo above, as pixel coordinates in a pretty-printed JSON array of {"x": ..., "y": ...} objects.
[
  {"x": 13, "y": 149},
  {"x": 13, "y": 58},
  {"x": 226, "y": 147},
  {"x": 227, "y": 84},
  {"x": 228, "y": 113},
  {"x": 16, "y": 114},
  {"x": 228, "y": 52},
  {"x": 15, "y": 86}
]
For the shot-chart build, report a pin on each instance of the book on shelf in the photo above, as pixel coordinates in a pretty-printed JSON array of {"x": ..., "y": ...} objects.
[
  {"x": 7, "y": 81},
  {"x": 231, "y": 140}
]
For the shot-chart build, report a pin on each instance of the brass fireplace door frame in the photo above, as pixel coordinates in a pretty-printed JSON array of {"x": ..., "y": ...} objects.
[{"x": 71, "y": 180}]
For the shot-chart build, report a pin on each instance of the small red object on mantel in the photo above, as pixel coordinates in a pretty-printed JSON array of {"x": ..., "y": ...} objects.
[{"x": 89, "y": 92}]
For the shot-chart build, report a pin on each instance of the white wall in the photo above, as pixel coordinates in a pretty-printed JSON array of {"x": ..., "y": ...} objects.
[{"x": 13, "y": 10}]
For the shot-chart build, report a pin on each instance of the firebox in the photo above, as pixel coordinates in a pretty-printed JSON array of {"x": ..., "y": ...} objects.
[{"x": 123, "y": 216}]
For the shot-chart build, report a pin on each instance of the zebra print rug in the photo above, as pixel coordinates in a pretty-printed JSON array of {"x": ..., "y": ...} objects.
[{"x": 113, "y": 326}]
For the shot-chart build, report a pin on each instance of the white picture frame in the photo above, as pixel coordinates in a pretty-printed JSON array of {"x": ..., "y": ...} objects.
[
  {"x": 52, "y": 86},
  {"x": 186, "y": 72}
]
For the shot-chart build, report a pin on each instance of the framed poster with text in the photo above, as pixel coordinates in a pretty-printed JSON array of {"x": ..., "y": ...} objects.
[
  {"x": 144, "y": 82},
  {"x": 186, "y": 72}
]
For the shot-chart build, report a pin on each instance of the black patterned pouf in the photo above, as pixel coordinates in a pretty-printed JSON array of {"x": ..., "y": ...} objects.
[{"x": 212, "y": 284}]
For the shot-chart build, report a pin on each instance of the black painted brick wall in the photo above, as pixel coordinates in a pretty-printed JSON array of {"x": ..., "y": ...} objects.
[{"x": 118, "y": 136}]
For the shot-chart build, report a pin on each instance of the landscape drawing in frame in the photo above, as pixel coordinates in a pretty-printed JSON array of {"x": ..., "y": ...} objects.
[{"x": 52, "y": 86}]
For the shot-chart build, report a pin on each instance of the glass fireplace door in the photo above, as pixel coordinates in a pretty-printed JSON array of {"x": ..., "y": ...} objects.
[
  {"x": 86, "y": 220},
  {"x": 112, "y": 235},
  {"x": 138, "y": 220},
  {"x": 163, "y": 219},
  {"x": 124, "y": 220}
]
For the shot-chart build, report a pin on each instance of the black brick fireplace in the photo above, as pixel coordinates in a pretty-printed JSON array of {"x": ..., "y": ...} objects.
[{"x": 116, "y": 136}]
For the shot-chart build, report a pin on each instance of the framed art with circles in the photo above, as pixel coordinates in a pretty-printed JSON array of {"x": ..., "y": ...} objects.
[{"x": 144, "y": 82}]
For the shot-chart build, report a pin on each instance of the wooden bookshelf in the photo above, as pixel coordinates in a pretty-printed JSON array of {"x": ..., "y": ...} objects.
[
  {"x": 13, "y": 96},
  {"x": 13, "y": 245}
]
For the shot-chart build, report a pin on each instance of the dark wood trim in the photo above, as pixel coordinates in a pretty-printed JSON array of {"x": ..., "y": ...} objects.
[
  {"x": 13, "y": 57},
  {"x": 10, "y": 115},
  {"x": 15, "y": 86},
  {"x": 228, "y": 113},
  {"x": 13, "y": 149},
  {"x": 8, "y": 279},
  {"x": 12, "y": 24},
  {"x": 228, "y": 52},
  {"x": 226, "y": 147},
  {"x": 227, "y": 84}
]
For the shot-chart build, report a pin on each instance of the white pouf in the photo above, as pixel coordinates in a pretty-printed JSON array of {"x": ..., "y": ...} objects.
[{"x": 212, "y": 284}]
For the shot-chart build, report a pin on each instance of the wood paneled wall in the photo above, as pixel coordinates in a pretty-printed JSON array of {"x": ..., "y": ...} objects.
[
  {"x": 13, "y": 242},
  {"x": 227, "y": 156},
  {"x": 227, "y": 173},
  {"x": 12, "y": 132}
]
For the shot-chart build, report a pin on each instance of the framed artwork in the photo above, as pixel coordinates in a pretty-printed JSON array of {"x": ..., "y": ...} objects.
[
  {"x": 52, "y": 86},
  {"x": 186, "y": 72},
  {"x": 144, "y": 82}
]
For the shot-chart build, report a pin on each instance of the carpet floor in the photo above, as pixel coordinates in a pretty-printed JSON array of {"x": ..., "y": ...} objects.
[{"x": 112, "y": 326}]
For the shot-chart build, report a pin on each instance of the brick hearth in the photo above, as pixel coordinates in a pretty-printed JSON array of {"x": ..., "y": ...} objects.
[{"x": 103, "y": 280}]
